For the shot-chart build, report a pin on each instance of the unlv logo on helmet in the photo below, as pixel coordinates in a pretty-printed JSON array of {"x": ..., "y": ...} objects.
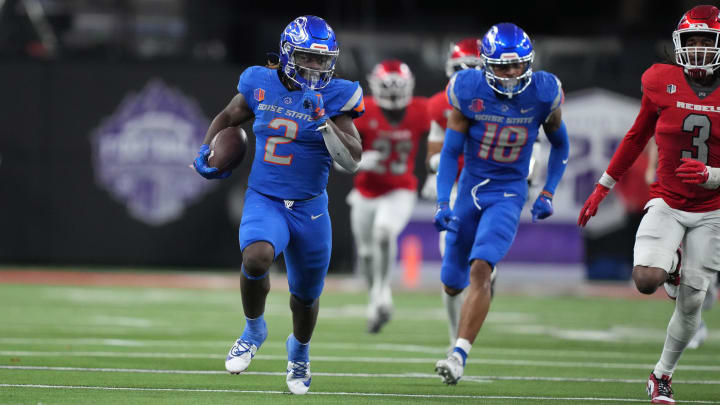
[
  {"x": 296, "y": 30},
  {"x": 698, "y": 59},
  {"x": 700, "y": 17},
  {"x": 464, "y": 54}
]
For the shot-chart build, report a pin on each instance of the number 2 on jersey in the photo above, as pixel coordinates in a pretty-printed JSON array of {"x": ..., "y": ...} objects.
[
  {"x": 291, "y": 128},
  {"x": 700, "y": 136}
]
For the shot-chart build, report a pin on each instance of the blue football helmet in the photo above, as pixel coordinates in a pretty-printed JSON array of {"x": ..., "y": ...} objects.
[
  {"x": 308, "y": 52},
  {"x": 505, "y": 44}
]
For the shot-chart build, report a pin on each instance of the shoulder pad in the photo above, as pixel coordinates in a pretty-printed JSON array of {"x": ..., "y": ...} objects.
[
  {"x": 462, "y": 86},
  {"x": 343, "y": 96},
  {"x": 549, "y": 88},
  {"x": 652, "y": 77},
  {"x": 251, "y": 85},
  {"x": 250, "y": 74}
]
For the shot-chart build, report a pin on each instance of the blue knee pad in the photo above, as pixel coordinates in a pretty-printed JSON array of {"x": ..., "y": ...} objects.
[{"x": 249, "y": 277}]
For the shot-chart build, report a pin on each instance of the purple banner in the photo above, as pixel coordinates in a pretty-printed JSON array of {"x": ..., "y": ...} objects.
[{"x": 539, "y": 243}]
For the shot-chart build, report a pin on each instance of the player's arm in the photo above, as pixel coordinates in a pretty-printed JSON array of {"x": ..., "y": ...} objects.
[
  {"x": 630, "y": 148},
  {"x": 457, "y": 127},
  {"x": 693, "y": 171},
  {"x": 559, "y": 151},
  {"x": 651, "y": 168},
  {"x": 556, "y": 133},
  {"x": 342, "y": 141},
  {"x": 235, "y": 113},
  {"x": 436, "y": 136}
]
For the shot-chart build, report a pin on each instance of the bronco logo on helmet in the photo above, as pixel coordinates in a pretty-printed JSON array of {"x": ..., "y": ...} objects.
[{"x": 296, "y": 31}]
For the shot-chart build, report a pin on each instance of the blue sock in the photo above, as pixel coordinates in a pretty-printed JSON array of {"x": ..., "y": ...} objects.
[
  {"x": 462, "y": 354},
  {"x": 297, "y": 351},
  {"x": 255, "y": 331}
]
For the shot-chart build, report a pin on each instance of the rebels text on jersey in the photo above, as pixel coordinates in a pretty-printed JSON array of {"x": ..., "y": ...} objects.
[
  {"x": 291, "y": 160},
  {"x": 397, "y": 144},
  {"x": 685, "y": 126},
  {"x": 502, "y": 130}
]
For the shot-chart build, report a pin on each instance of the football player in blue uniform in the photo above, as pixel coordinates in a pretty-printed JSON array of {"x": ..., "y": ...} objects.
[
  {"x": 496, "y": 114},
  {"x": 303, "y": 121}
]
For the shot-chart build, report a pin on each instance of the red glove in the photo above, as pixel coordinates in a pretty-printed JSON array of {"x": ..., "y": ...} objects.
[
  {"x": 591, "y": 204},
  {"x": 692, "y": 171}
]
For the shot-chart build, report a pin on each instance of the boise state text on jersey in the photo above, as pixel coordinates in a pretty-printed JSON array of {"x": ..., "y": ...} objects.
[
  {"x": 501, "y": 127},
  {"x": 291, "y": 159}
]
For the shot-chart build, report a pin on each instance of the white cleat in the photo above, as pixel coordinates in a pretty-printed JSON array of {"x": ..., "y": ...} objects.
[
  {"x": 450, "y": 369},
  {"x": 239, "y": 357},
  {"x": 699, "y": 337},
  {"x": 298, "y": 377},
  {"x": 382, "y": 315}
]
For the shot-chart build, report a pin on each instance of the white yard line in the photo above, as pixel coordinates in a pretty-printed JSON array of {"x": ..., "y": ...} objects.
[
  {"x": 382, "y": 347},
  {"x": 355, "y": 359},
  {"x": 355, "y": 375},
  {"x": 356, "y": 394}
]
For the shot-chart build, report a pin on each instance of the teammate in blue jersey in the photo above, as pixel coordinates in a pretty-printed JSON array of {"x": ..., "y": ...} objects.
[
  {"x": 303, "y": 121},
  {"x": 496, "y": 114}
]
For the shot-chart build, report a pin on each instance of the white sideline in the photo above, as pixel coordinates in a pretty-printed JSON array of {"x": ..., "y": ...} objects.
[
  {"x": 355, "y": 375},
  {"x": 359, "y": 394},
  {"x": 357, "y": 359}
]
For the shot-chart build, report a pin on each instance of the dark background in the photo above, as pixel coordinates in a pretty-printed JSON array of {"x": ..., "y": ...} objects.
[{"x": 65, "y": 69}]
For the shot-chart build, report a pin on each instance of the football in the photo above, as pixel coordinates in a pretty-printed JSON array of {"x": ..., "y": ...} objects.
[{"x": 228, "y": 148}]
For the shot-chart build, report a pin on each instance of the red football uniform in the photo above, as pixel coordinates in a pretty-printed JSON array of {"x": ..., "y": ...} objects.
[
  {"x": 398, "y": 145},
  {"x": 685, "y": 126},
  {"x": 438, "y": 110}
]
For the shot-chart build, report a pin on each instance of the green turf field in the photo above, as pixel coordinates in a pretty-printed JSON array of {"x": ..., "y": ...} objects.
[{"x": 102, "y": 345}]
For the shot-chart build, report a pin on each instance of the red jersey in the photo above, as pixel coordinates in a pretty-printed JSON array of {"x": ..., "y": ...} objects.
[
  {"x": 685, "y": 126},
  {"x": 398, "y": 145},
  {"x": 438, "y": 110}
]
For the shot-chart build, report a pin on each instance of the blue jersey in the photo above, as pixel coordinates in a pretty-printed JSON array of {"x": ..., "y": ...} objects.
[
  {"x": 502, "y": 130},
  {"x": 291, "y": 161}
]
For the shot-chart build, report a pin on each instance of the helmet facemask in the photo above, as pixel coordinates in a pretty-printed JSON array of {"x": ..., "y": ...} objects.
[
  {"x": 508, "y": 86},
  {"x": 308, "y": 52},
  {"x": 392, "y": 93},
  {"x": 310, "y": 67},
  {"x": 698, "y": 61},
  {"x": 392, "y": 85}
]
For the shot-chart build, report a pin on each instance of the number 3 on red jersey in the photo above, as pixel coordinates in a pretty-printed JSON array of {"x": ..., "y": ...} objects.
[{"x": 699, "y": 126}]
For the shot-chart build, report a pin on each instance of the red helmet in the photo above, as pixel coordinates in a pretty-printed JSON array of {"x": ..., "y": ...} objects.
[
  {"x": 464, "y": 54},
  {"x": 698, "y": 61},
  {"x": 392, "y": 84}
]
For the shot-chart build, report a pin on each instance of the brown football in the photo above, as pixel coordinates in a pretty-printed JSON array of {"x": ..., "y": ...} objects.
[{"x": 228, "y": 148}]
